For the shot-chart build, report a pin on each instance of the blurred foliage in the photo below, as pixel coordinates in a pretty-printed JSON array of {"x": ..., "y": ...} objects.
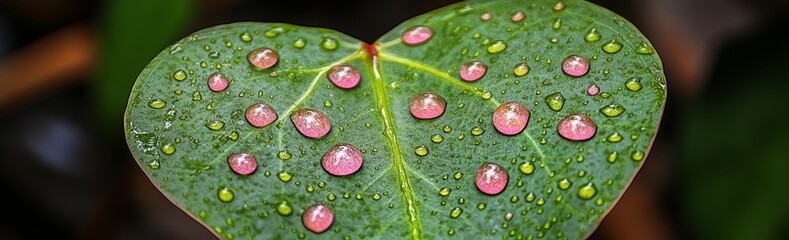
[{"x": 133, "y": 32}]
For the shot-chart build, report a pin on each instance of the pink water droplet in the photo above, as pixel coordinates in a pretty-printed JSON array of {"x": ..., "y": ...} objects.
[
  {"x": 577, "y": 127},
  {"x": 593, "y": 90},
  {"x": 217, "y": 82},
  {"x": 491, "y": 179},
  {"x": 263, "y": 58},
  {"x": 510, "y": 118},
  {"x": 317, "y": 218},
  {"x": 518, "y": 16},
  {"x": 260, "y": 115},
  {"x": 417, "y": 35},
  {"x": 575, "y": 65},
  {"x": 472, "y": 71},
  {"x": 485, "y": 16},
  {"x": 427, "y": 105},
  {"x": 311, "y": 123},
  {"x": 342, "y": 160},
  {"x": 242, "y": 163},
  {"x": 344, "y": 76}
]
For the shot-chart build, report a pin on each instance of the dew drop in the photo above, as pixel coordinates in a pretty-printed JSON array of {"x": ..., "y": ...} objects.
[
  {"x": 645, "y": 49},
  {"x": 587, "y": 191},
  {"x": 284, "y": 176},
  {"x": 612, "y": 110},
  {"x": 491, "y": 179},
  {"x": 260, "y": 115},
  {"x": 299, "y": 43},
  {"x": 485, "y": 16},
  {"x": 510, "y": 118},
  {"x": 458, "y": 175},
  {"x": 476, "y": 131},
  {"x": 555, "y": 101},
  {"x": 311, "y": 123},
  {"x": 263, "y": 58},
  {"x": 472, "y": 71},
  {"x": 215, "y": 125},
  {"x": 444, "y": 191},
  {"x": 518, "y": 16},
  {"x": 497, "y": 47},
  {"x": 217, "y": 82},
  {"x": 242, "y": 163},
  {"x": 427, "y": 105},
  {"x": 521, "y": 69},
  {"x": 284, "y": 155},
  {"x": 612, "y": 157},
  {"x": 577, "y": 127},
  {"x": 559, "y": 6},
  {"x": 487, "y": 95},
  {"x": 526, "y": 168},
  {"x": 329, "y": 43},
  {"x": 592, "y": 35},
  {"x": 575, "y": 65},
  {"x": 225, "y": 194},
  {"x": 342, "y": 160},
  {"x": 157, "y": 104},
  {"x": 421, "y": 150},
  {"x": 168, "y": 149},
  {"x": 637, "y": 156},
  {"x": 317, "y": 218},
  {"x": 284, "y": 208},
  {"x": 447, "y": 129},
  {"x": 633, "y": 84},
  {"x": 593, "y": 90},
  {"x": 557, "y": 24},
  {"x": 245, "y": 37},
  {"x": 614, "y": 138},
  {"x": 455, "y": 213},
  {"x": 564, "y": 184},
  {"x": 612, "y": 46},
  {"x": 179, "y": 75},
  {"x": 436, "y": 138},
  {"x": 417, "y": 35},
  {"x": 344, "y": 76}
]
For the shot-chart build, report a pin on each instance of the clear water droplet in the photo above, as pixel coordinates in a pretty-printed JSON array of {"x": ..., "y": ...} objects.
[
  {"x": 612, "y": 46},
  {"x": 575, "y": 65},
  {"x": 555, "y": 101},
  {"x": 526, "y": 168},
  {"x": 263, "y": 58},
  {"x": 521, "y": 69},
  {"x": 217, "y": 82},
  {"x": 458, "y": 175},
  {"x": 487, "y": 95},
  {"x": 299, "y": 43},
  {"x": 455, "y": 213},
  {"x": 614, "y": 137},
  {"x": 242, "y": 163},
  {"x": 557, "y": 24},
  {"x": 317, "y": 218},
  {"x": 284, "y": 176},
  {"x": 427, "y": 105},
  {"x": 311, "y": 123},
  {"x": 518, "y": 16},
  {"x": 510, "y": 118},
  {"x": 179, "y": 75},
  {"x": 225, "y": 194},
  {"x": 472, "y": 71},
  {"x": 476, "y": 131},
  {"x": 417, "y": 35},
  {"x": 576, "y": 127},
  {"x": 564, "y": 184},
  {"x": 444, "y": 191},
  {"x": 327, "y": 103},
  {"x": 260, "y": 115},
  {"x": 447, "y": 129},
  {"x": 587, "y": 191},
  {"x": 344, "y": 76},
  {"x": 645, "y": 49},
  {"x": 157, "y": 104},
  {"x": 436, "y": 138},
  {"x": 329, "y": 43},
  {"x": 612, "y": 110},
  {"x": 196, "y": 96},
  {"x": 633, "y": 84},
  {"x": 593, "y": 90},
  {"x": 612, "y": 157},
  {"x": 491, "y": 178},
  {"x": 497, "y": 47},
  {"x": 245, "y": 37},
  {"x": 342, "y": 160},
  {"x": 421, "y": 150},
  {"x": 485, "y": 16},
  {"x": 284, "y": 155},
  {"x": 559, "y": 6},
  {"x": 592, "y": 35},
  {"x": 215, "y": 125},
  {"x": 637, "y": 156},
  {"x": 284, "y": 208},
  {"x": 168, "y": 149}
]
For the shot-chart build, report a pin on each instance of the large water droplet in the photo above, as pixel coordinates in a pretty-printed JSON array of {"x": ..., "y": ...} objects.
[
  {"x": 215, "y": 125},
  {"x": 225, "y": 194},
  {"x": 587, "y": 191},
  {"x": 497, "y": 47},
  {"x": 555, "y": 101},
  {"x": 593, "y": 90},
  {"x": 577, "y": 127},
  {"x": 342, "y": 160},
  {"x": 179, "y": 75},
  {"x": 217, "y": 82},
  {"x": 592, "y": 35},
  {"x": 263, "y": 58},
  {"x": 284, "y": 155},
  {"x": 633, "y": 84},
  {"x": 299, "y": 43},
  {"x": 157, "y": 104},
  {"x": 612, "y": 46},
  {"x": 436, "y": 138},
  {"x": 317, "y": 218},
  {"x": 518, "y": 16},
  {"x": 284, "y": 176},
  {"x": 168, "y": 149},
  {"x": 521, "y": 69},
  {"x": 344, "y": 76},
  {"x": 575, "y": 65},
  {"x": 472, "y": 71},
  {"x": 510, "y": 118},
  {"x": 329, "y": 43},
  {"x": 242, "y": 163},
  {"x": 245, "y": 37},
  {"x": 311, "y": 123},
  {"x": 260, "y": 115},
  {"x": 491, "y": 179},
  {"x": 476, "y": 131},
  {"x": 526, "y": 168},
  {"x": 612, "y": 110},
  {"x": 455, "y": 213},
  {"x": 284, "y": 208},
  {"x": 427, "y": 105},
  {"x": 421, "y": 150},
  {"x": 644, "y": 48},
  {"x": 417, "y": 35},
  {"x": 637, "y": 156}
]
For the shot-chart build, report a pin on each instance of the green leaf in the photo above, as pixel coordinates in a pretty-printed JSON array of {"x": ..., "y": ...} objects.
[{"x": 174, "y": 133}]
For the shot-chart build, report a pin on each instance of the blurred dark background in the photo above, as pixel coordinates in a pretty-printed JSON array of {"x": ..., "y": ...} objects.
[{"x": 718, "y": 170}]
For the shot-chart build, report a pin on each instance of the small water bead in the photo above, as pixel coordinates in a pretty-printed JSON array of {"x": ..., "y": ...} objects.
[
  {"x": 592, "y": 35},
  {"x": 485, "y": 16},
  {"x": 645, "y": 49},
  {"x": 157, "y": 104},
  {"x": 497, "y": 47},
  {"x": 614, "y": 138},
  {"x": 491, "y": 179},
  {"x": 242, "y": 163},
  {"x": 593, "y": 90},
  {"x": 299, "y": 43},
  {"x": 417, "y": 35},
  {"x": 427, "y": 105},
  {"x": 447, "y": 129},
  {"x": 559, "y": 6},
  {"x": 633, "y": 84},
  {"x": 284, "y": 176},
  {"x": 329, "y": 43},
  {"x": 168, "y": 149},
  {"x": 311, "y": 123},
  {"x": 587, "y": 191},
  {"x": 260, "y": 115},
  {"x": 284, "y": 208},
  {"x": 564, "y": 184},
  {"x": 179, "y": 75},
  {"x": 557, "y": 24},
  {"x": 444, "y": 191},
  {"x": 637, "y": 156},
  {"x": 530, "y": 197},
  {"x": 487, "y": 95},
  {"x": 521, "y": 69},
  {"x": 245, "y": 37},
  {"x": 472, "y": 71},
  {"x": 577, "y": 127},
  {"x": 575, "y": 65},
  {"x": 263, "y": 58},
  {"x": 455, "y": 213},
  {"x": 437, "y": 138},
  {"x": 612, "y": 46},
  {"x": 612, "y": 110},
  {"x": 284, "y": 155},
  {"x": 217, "y": 82},
  {"x": 215, "y": 125},
  {"x": 421, "y": 150},
  {"x": 518, "y": 16},
  {"x": 612, "y": 157},
  {"x": 342, "y": 160},
  {"x": 510, "y": 118},
  {"x": 555, "y": 101},
  {"x": 476, "y": 131},
  {"x": 376, "y": 197},
  {"x": 225, "y": 194},
  {"x": 317, "y": 218},
  {"x": 526, "y": 168},
  {"x": 458, "y": 175}
]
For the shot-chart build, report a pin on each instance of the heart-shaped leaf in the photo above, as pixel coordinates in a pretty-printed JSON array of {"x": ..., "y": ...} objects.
[{"x": 438, "y": 98}]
